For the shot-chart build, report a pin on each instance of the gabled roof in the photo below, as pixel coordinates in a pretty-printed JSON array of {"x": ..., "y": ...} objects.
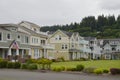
[
  {"x": 69, "y": 34},
  {"x": 33, "y": 32},
  {"x": 9, "y": 25},
  {"x": 30, "y": 23}
]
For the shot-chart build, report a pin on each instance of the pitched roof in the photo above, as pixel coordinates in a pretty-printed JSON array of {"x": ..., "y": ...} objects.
[
  {"x": 9, "y": 25},
  {"x": 89, "y": 38},
  {"x": 67, "y": 33},
  {"x": 30, "y": 23}
]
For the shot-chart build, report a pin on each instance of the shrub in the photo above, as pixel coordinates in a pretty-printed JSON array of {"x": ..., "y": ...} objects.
[
  {"x": 1, "y": 59},
  {"x": 68, "y": 69},
  {"x": 17, "y": 65},
  {"x": 24, "y": 66},
  {"x": 3, "y": 64},
  {"x": 105, "y": 71},
  {"x": 32, "y": 67},
  {"x": 79, "y": 67},
  {"x": 98, "y": 71},
  {"x": 10, "y": 65},
  {"x": 115, "y": 71},
  {"x": 44, "y": 62},
  {"x": 58, "y": 69},
  {"x": 89, "y": 70},
  {"x": 29, "y": 61},
  {"x": 61, "y": 59}
]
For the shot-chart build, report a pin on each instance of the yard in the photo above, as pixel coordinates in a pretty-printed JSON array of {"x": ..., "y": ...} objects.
[{"x": 105, "y": 64}]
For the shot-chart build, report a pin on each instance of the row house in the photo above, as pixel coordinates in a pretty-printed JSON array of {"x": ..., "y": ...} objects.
[
  {"x": 84, "y": 48},
  {"x": 95, "y": 48},
  {"x": 66, "y": 45},
  {"x": 110, "y": 48},
  {"x": 23, "y": 40}
]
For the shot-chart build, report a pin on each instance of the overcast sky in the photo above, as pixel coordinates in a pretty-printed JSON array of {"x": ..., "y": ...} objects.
[{"x": 50, "y": 12}]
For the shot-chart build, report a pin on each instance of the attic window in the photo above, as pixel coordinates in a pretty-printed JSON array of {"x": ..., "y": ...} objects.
[
  {"x": 59, "y": 37},
  {"x": 34, "y": 29}
]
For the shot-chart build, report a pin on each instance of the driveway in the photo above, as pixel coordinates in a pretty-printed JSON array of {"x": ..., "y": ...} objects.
[{"x": 8, "y": 74}]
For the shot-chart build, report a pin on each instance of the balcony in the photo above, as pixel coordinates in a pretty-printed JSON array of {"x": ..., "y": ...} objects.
[
  {"x": 111, "y": 51},
  {"x": 48, "y": 46},
  {"x": 74, "y": 50}
]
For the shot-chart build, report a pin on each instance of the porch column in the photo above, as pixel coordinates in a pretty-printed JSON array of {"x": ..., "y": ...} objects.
[
  {"x": 9, "y": 54},
  {"x": 73, "y": 55},
  {"x": 3, "y": 53},
  {"x": 44, "y": 55},
  {"x": 29, "y": 54},
  {"x": 17, "y": 52},
  {"x": 22, "y": 53}
]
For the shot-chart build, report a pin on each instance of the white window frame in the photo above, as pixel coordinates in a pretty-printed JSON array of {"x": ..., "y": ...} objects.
[
  {"x": 10, "y": 36},
  {"x": 36, "y": 53}
]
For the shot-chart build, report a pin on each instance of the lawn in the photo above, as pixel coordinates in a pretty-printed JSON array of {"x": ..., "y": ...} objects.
[{"x": 106, "y": 64}]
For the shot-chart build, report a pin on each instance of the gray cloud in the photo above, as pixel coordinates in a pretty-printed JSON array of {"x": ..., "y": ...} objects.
[
  {"x": 50, "y": 12},
  {"x": 110, "y": 4}
]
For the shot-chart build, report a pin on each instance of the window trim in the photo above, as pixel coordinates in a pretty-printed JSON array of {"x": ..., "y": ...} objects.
[{"x": 10, "y": 36}]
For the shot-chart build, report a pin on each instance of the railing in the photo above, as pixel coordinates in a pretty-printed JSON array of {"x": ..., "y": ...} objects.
[
  {"x": 48, "y": 46},
  {"x": 111, "y": 51}
]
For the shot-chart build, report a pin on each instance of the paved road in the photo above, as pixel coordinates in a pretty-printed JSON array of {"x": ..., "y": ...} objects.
[{"x": 7, "y": 74}]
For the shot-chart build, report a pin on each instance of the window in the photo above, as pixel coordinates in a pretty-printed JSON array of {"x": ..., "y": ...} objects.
[
  {"x": 64, "y": 46},
  {"x": 59, "y": 37},
  {"x": 18, "y": 36},
  {"x": 43, "y": 42},
  {"x": 0, "y": 36},
  {"x": 26, "y": 39},
  {"x": 8, "y": 36},
  {"x": 36, "y": 53},
  {"x": 35, "y": 40},
  {"x": 72, "y": 45},
  {"x": 34, "y": 29}
]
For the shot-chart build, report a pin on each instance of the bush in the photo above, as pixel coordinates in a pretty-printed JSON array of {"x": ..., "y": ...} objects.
[
  {"x": 98, "y": 71},
  {"x": 58, "y": 69},
  {"x": 115, "y": 71},
  {"x": 79, "y": 67},
  {"x": 3, "y": 64},
  {"x": 45, "y": 63},
  {"x": 61, "y": 59},
  {"x": 29, "y": 61},
  {"x": 17, "y": 65},
  {"x": 32, "y": 67},
  {"x": 68, "y": 69},
  {"x": 24, "y": 66},
  {"x": 105, "y": 71},
  {"x": 10, "y": 65},
  {"x": 89, "y": 70}
]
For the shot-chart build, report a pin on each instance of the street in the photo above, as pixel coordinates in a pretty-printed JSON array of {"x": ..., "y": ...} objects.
[{"x": 8, "y": 74}]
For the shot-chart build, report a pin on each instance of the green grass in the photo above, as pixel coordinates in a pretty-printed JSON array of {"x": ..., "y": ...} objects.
[{"x": 106, "y": 64}]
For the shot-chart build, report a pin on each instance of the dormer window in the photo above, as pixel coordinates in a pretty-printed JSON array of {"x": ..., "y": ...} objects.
[
  {"x": 35, "y": 29},
  {"x": 59, "y": 37}
]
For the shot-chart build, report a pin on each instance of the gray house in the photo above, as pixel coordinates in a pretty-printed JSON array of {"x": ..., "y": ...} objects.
[
  {"x": 111, "y": 48},
  {"x": 10, "y": 39}
]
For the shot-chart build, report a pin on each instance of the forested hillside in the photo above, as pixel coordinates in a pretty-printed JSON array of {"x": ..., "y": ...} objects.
[{"x": 102, "y": 27}]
